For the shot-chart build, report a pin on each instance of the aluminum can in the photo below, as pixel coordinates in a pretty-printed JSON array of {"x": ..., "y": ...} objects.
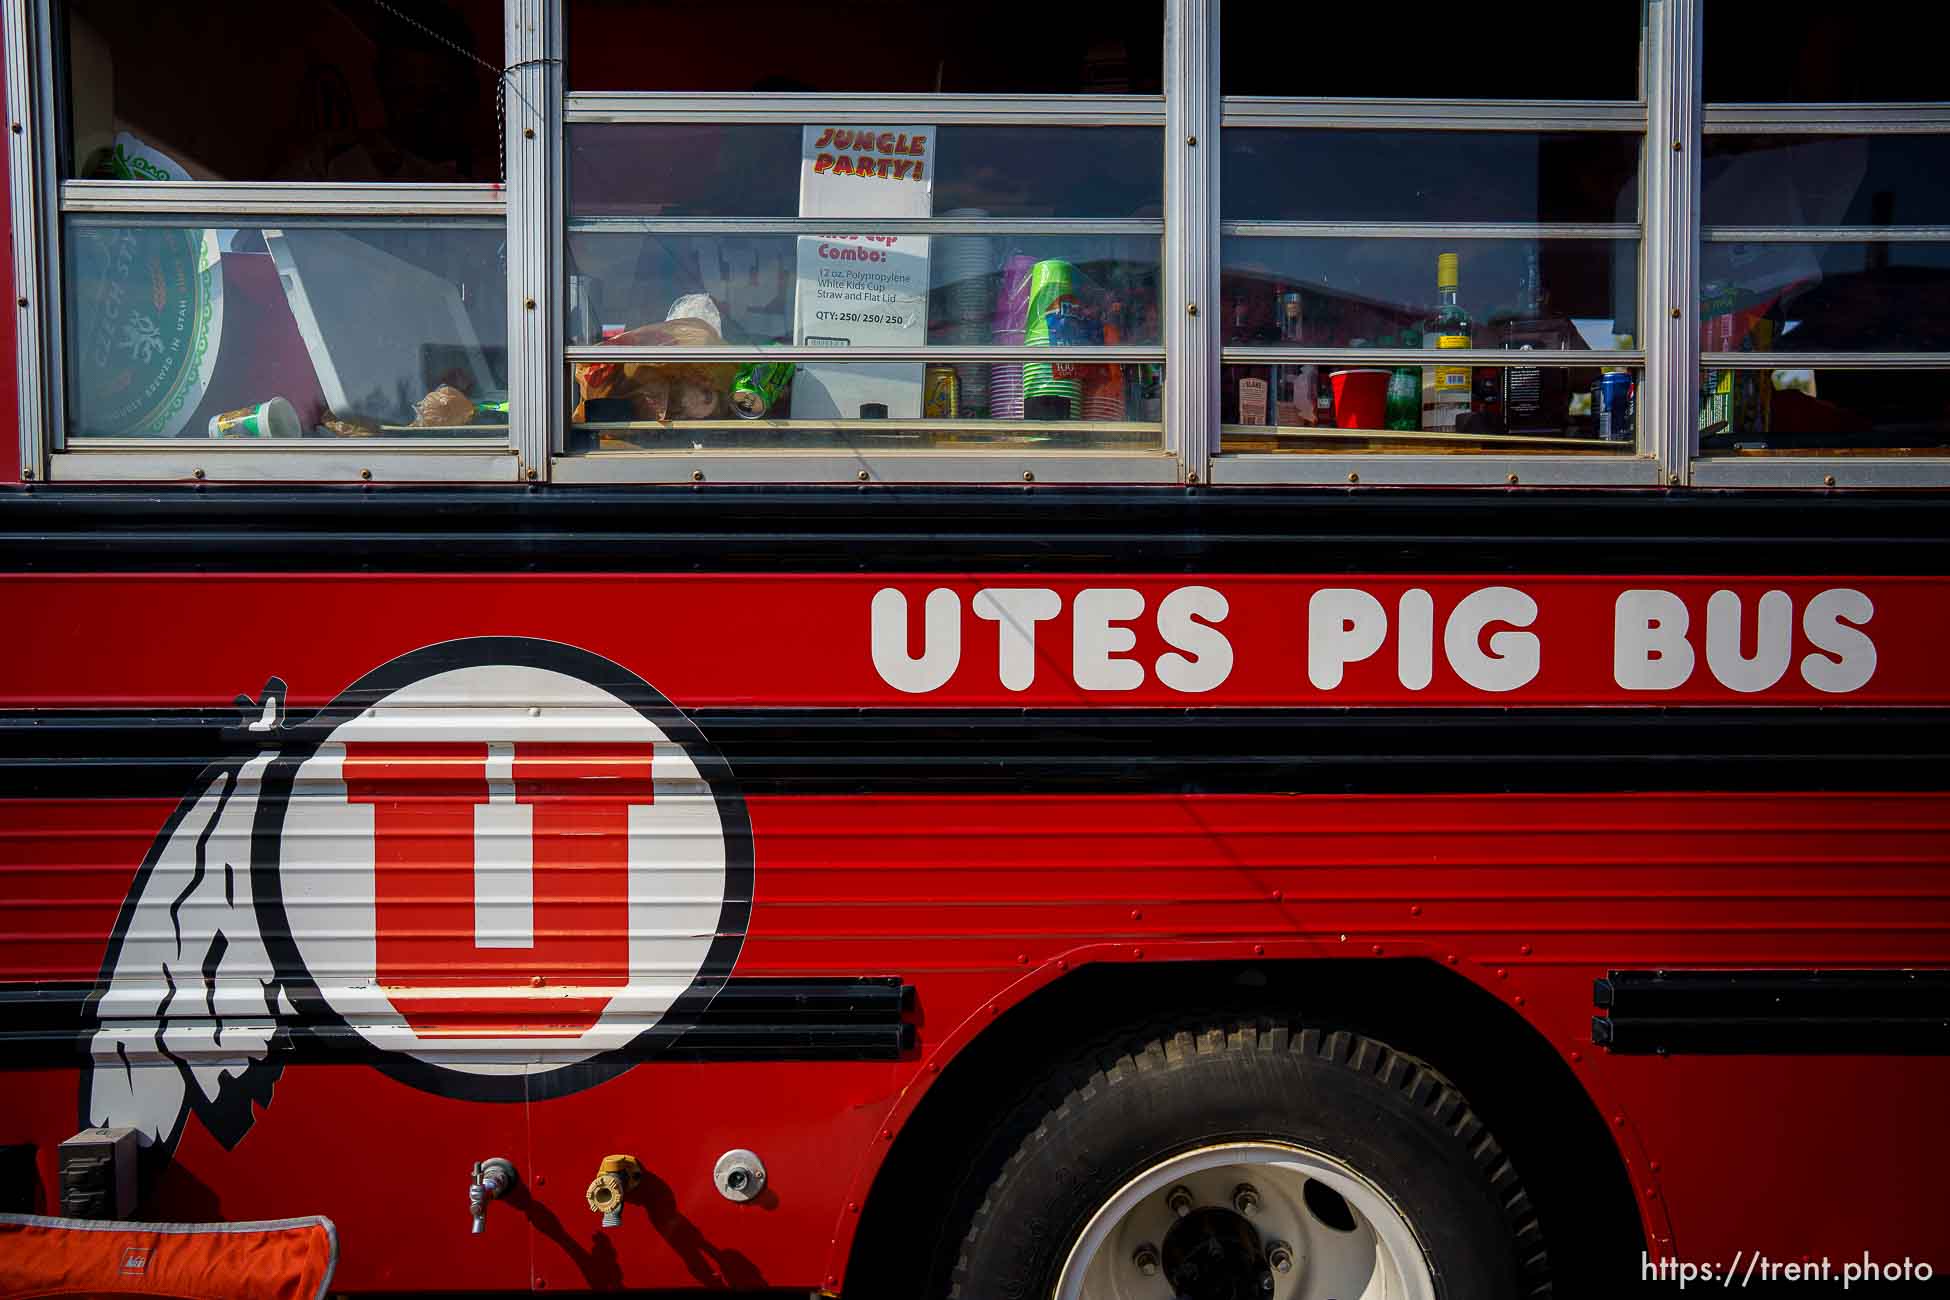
[
  {"x": 758, "y": 386},
  {"x": 941, "y": 394},
  {"x": 1612, "y": 406}
]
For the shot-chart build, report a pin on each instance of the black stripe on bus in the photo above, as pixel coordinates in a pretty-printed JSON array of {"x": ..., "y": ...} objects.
[
  {"x": 82, "y": 754},
  {"x": 1789, "y": 1012},
  {"x": 749, "y": 1019},
  {"x": 939, "y": 529}
]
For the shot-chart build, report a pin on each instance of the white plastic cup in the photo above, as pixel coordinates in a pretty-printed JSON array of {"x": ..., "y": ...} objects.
[{"x": 272, "y": 419}]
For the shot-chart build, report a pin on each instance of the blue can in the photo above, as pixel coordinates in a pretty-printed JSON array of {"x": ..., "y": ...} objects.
[{"x": 1613, "y": 398}]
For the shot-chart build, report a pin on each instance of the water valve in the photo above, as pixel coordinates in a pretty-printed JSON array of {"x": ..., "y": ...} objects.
[
  {"x": 493, "y": 1179},
  {"x": 614, "y": 1179}
]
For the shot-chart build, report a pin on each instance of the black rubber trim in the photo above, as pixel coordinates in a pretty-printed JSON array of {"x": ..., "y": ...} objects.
[
  {"x": 1787, "y": 1012},
  {"x": 748, "y": 1019},
  {"x": 84, "y": 754},
  {"x": 703, "y": 528}
]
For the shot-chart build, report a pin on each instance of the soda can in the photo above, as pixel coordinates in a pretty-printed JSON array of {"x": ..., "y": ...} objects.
[
  {"x": 1616, "y": 389},
  {"x": 758, "y": 386},
  {"x": 942, "y": 394}
]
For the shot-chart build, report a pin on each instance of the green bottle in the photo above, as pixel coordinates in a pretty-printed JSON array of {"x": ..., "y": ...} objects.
[{"x": 1404, "y": 388}]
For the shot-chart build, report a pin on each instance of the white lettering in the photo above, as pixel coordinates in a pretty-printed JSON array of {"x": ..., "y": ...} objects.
[
  {"x": 1773, "y": 641},
  {"x": 1207, "y": 660},
  {"x": 1649, "y": 649},
  {"x": 1513, "y": 658},
  {"x": 1095, "y": 643},
  {"x": 1833, "y": 623},
  {"x": 940, "y": 640},
  {"x": 1344, "y": 625},
  {"x": 1016, "y": 611},
  {"x": 1415, "y": 639}
]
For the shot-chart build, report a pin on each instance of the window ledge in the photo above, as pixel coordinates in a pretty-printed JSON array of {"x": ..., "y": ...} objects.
[
  {"x": 348, "y": 464},
  {"x": 1823, "y": 471},
  {"x": 855, "y": 467},
  {"x": 1525, "y": 471}
]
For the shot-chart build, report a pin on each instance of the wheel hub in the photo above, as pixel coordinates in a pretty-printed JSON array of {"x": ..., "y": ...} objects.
[{"x": 1213, "y": 1253}]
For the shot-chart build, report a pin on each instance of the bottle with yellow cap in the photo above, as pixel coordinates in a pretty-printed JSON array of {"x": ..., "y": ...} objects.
[{"x": 1446, "y": 388}]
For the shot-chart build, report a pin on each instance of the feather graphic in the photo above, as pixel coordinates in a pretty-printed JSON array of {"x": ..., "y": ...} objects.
[{"x": 189, "y": 1013}]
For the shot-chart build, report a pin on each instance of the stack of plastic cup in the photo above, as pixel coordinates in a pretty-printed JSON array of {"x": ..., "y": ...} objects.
[
  {"x": 968, "y": 263},
  {"x": 1103, "y": 386},
  {"x": 1052, "y": 285},
  {"x": 1011, "y": 306}
]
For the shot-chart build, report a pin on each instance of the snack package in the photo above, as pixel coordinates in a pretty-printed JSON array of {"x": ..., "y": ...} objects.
[
  {"x": 657, "y": 391},
  {"x": 444, "y": 407}
]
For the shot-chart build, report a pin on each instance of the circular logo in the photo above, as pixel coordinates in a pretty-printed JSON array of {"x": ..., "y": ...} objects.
[
  {"x": 146, "y": 306},
  {"x": 508, "y": 868}
]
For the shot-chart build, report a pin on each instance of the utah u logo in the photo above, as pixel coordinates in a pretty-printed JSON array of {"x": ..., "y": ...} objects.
[{"x": 497, "y": 868}]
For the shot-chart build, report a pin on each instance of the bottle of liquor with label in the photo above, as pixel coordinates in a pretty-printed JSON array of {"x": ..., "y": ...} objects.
[
  {"x": 1536, "y": 399},
  {"x": 1446, "y": 388},
  {"x": 1294, "y": 403}
]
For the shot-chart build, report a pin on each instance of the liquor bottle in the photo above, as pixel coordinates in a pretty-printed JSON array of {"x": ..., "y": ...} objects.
[
  {"x": 1536, "y": 399},
  {"x": 1446, "y": 388},
  {"x": 1297, "y": 392}
]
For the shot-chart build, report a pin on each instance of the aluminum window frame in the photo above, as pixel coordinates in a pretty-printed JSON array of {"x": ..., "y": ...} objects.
[
  {"x": 42, "y": 201},
  {"x": 1865, "y": 470},
  {"x": 531, "y": 207},
  {"x": 1172, "y": 461},
  {"x": 1355, "y": 467}
]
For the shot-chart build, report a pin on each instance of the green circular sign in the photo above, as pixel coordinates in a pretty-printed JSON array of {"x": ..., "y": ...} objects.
[{"x": 145, "y": 313}]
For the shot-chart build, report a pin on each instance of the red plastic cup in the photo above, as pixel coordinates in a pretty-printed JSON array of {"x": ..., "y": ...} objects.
[{"x": 1360, "y": 398}]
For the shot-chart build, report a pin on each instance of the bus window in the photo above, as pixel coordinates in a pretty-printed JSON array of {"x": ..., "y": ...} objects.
[
  {"x": 991, "y": 47},
  {"x": 303, "y": 90}
]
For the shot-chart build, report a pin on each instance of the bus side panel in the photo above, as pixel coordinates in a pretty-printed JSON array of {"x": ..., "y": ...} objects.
[{"x": 974, "y": 900}]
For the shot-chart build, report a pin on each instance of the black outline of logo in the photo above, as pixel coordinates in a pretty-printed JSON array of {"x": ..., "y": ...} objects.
[{"x": 316, "y": 1021}]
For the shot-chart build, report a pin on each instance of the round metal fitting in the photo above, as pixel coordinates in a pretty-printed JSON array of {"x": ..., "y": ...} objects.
[
  {"x": 1179, "y": 1201},
  {"x": 1245, "y": 1199},
  {"x": 1280, "y": 1257},
  {"x": 1145, "y": 1259},
  {"x": 740, "y": 1175}
]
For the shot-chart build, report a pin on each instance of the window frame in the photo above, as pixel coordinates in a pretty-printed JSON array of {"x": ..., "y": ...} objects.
[
  {"x": 531, "y": 207},
  {"x": 41, "y": 201},
  {"x": 1868, "y": 470},
  {"x": 1166, "y": 464},
  {"x": 1629, "y": 117}
]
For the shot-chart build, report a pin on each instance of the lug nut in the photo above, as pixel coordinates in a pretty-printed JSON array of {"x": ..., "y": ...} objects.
[
  {"x": 1280, "y": 1256},
  {"x": 1145, "y": 1258},
  {"x": 1179, "y": 1201},
  {"x": 1245, "y": 1199}
]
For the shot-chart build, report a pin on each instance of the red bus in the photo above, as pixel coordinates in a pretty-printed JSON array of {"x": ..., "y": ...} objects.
[{"x": 596, "y": 706}]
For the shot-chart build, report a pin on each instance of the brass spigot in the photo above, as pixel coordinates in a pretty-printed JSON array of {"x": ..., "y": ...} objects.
[{"x": 614, "y": 1179}]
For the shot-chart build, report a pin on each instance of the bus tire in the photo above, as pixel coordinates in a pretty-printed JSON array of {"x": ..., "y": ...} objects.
[{"x": 1130, "y": 1176}]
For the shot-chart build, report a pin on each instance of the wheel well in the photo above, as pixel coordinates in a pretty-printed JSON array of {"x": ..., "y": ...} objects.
[{"x": 952, "y": 1147}]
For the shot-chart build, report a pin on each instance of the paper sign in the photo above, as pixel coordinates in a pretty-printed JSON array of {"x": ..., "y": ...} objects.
[{"x": 862, "y": 290}]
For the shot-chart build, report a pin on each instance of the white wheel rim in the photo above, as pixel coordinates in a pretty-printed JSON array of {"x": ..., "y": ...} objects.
[{"x": 1379, "y": 1260}]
